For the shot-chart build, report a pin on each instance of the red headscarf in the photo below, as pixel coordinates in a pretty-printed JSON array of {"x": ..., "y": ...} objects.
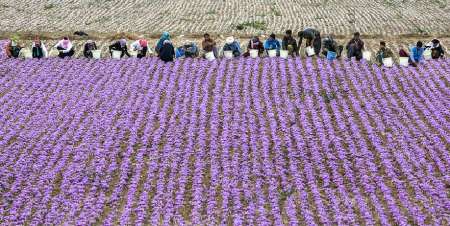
[{"x": 143, "y": 42}]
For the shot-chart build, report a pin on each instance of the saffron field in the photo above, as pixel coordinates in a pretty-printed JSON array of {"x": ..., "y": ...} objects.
[{"x": 233, "y": 142}]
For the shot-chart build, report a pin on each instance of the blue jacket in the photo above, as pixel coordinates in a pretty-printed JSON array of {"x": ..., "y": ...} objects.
[
  {"x": 417, "y": 54},
  {"x": 270, "y": 44},
  {"x": 235, "y": 47}
]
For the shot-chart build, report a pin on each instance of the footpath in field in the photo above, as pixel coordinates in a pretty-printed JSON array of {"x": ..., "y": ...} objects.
[{"x": 249, "y": 141}]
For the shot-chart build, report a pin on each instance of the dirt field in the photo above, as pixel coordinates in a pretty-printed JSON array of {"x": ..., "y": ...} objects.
[{"x": 343, "y": 17}]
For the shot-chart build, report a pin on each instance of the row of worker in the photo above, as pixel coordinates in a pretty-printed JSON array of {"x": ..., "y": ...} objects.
[{"x": 314, "y": 43}]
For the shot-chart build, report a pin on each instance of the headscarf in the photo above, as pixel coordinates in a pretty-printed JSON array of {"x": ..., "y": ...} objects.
[
  {"x": 229, "y": 40},
  {"x": 435, "y": 43},
  {"x": 65, "y": 42},
  {"x": 143, "y": 42},
  {"x": 164, "y": 37},
  {"x": 123, "y": 42},
  {"x": 254, "y": 42}
]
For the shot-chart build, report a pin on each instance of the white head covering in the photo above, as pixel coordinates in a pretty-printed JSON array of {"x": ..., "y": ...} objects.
[{"x": 229, "y": 40}]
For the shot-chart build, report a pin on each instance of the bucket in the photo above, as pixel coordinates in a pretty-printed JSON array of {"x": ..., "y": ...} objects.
[
  {"x": 367, "y": 55},
  {"x": 133, "y": 53},
  {"x": 151, "y": 51},
  {"x": 116, "y": 54},
  {"x": 310, "y": 51},
  {"x": 331, "y": 55},
  {"x": 427, "y": 54},
  {"x": 228, "y": 54},
  {"x": 272, "y": 53},
  {"x": 96, "y": 54},
  {"x": 53, "y": 53},
  {"x": 210, "y": 56},
  {"x": 404, "y": 61},
  {"x": 284, "y": 54},
  {"x": 253, "y": 53},
  {"x": 26, "y": 53},
  {"x": 388, "y": 62}
]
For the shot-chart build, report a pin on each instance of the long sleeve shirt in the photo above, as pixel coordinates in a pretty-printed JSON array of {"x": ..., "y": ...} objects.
[
  {"x": 271, "y": 44},
  {"x": 235, "y": 47},
  {"x": 358, "y": 43},
  {"x": 60, "y": 44},
  {"x": 255, "y": 44},
  {"x": 136, "y": 46},
  {"x": 417, "y": 53},
  {"x": 289, "y": 41}
]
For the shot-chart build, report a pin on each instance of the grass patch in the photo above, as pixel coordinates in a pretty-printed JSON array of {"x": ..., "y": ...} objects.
[
  {"x": 49, "y": 6},
  {"x": 258, "y": 25},
  {"x": 275, "y": 11},
  {"x": 327, "y": 97}
]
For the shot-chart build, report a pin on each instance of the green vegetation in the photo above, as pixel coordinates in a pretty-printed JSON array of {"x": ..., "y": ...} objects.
[
  {"x": 258, "y": 25},
  {"x": 327, "y": 97},
  {"x": 275, "y": 11},
  {"x": 49, "y": 6}
]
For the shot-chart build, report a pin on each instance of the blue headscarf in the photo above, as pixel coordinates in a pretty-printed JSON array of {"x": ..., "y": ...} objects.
[{"x": 165, "y": 36}]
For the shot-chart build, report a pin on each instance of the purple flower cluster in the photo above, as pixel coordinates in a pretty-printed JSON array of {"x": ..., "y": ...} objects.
[{"x": 244, "y": 142}]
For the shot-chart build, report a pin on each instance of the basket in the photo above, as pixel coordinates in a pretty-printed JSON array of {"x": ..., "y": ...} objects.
[
  {"x": 367, "y": 55},
  {"x": 388, "y": 62},
  {"x": 331, "y": 55},
  {"x": 427, "y": 54},
  {"x": 404, "y": 61},
  {"x": 272, "y": 53},
  {"x": 96, "y": 54},
  {"x": 210, "y": 56},
  {"x": 284, "y": 54},
  {"x": 310, "y": 51},
  {"x": 228, "y": 54},
  {"x": 253, "y": 53},
  {"x": 116, "y": 54}
]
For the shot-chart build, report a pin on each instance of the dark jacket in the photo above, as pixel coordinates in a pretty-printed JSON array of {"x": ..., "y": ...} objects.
[
  {"x": 309, "y": 34},
  {"x": 437, "y": 52},
  {"x": 12, "y": 51},
  {"x": 289, "y": 41},
  {"x": 88, "y": 47},
  {"x": 255, "y": 44},
  {"x": 116, "y": 46},
  {"x": 167, "y": 52},
  {"x": 37, "y": 50},
  {"x": 384, "y": 53},
  {"x": 357, "y": 43},
  {"x": 317, "y": 44}
]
